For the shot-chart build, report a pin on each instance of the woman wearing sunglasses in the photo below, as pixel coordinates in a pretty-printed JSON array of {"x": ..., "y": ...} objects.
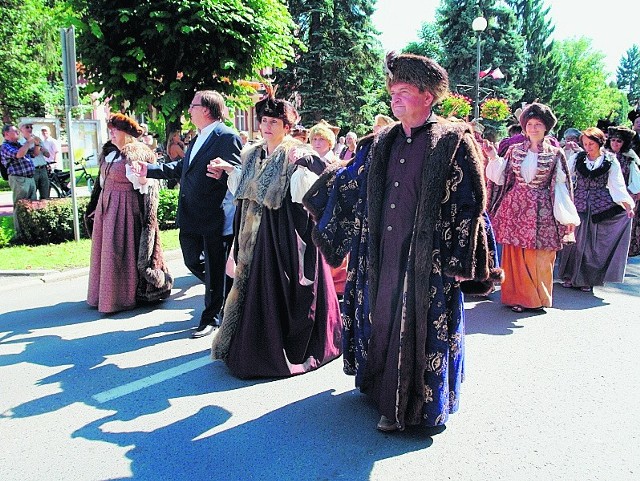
[
  {"x": 606, "y": 210},
  {"x": 619, "y": 142}
]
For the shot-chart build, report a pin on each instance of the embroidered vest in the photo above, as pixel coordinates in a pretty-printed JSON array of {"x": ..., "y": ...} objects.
[{"x": 591, "y": 190}]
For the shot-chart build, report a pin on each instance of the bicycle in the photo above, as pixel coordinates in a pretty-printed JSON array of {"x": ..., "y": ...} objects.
[
  {"x": 84, "y": 174},
  {"x": 59, "y": 180}
]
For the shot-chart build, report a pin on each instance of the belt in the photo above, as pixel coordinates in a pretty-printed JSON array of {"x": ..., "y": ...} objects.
[
  {"x": 27, "y": 176},
  {"x": 41, "y": 166}
]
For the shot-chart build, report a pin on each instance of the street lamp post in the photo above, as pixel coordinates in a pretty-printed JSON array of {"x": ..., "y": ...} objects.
[{"x": 478, "y": 25}]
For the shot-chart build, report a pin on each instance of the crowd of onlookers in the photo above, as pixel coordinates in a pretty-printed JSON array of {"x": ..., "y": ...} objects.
[{"x": 27, "y": 161}]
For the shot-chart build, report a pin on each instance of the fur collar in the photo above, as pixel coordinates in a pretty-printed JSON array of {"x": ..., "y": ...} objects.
[
  {"x": 265, "y": 180},
  {"x": 581, "y": 165}
]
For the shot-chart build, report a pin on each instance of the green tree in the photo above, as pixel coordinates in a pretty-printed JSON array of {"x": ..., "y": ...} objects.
[
  {"x": 429, "y": 43},
  {"x": 538, "y": 80},
  {"x": 502, "y": 46},
  {"x": 338, "y": 76},
  {"x": 583, "y": 95},
  {"x": 159, "y": 52},
  {"x": 30, "y": 58},
  {"x": 628, "y": 74}
]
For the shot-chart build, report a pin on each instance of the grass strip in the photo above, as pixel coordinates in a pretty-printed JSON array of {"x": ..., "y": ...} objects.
[{"x": 63, "y": 256}]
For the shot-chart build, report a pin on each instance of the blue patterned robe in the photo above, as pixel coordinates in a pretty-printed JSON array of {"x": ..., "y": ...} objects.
[{"x": 449, "y": 239}]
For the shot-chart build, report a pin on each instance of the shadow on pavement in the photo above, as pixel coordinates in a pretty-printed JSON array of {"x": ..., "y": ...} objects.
[
  {"x": 321, "y": 437},
  {"x": 85, "y": 360}
]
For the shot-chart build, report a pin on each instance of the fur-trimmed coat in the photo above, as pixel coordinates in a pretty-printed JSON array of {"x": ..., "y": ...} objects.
[
  {"x": 155, "y": 281},
  {"x": 449, "y": 241},
  {"x": 267, "y": 187},
  {"x": 281, "y": 316}
]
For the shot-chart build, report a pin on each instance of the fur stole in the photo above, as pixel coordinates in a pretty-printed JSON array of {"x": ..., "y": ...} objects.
[{"x": 265, "y": 181}]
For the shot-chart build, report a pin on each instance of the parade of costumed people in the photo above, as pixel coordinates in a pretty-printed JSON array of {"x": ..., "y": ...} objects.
[
  {"x": 127, "y": 264},
  {"x": 282, "y": 315},
  {"x": 606, "y": 211},
  {"x": 412, "y": 232},
  {"x": 535, "y": 210}
]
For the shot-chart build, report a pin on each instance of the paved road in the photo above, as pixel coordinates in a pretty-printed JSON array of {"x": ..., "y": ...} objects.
[{"x": 552, "y": 396}]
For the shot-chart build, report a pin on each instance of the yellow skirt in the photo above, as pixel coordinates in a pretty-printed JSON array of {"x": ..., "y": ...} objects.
[{"x": 528, "y": 276}]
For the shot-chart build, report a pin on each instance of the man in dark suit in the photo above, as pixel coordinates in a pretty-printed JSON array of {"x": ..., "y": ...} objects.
[{"x": 200, "y": 213}]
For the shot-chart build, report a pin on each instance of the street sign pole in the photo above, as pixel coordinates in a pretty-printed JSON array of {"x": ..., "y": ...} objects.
[{"x": 67, "y": 37}]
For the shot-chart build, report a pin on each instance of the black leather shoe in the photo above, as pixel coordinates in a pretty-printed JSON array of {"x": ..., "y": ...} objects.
[{"x": 202, "y": 331}]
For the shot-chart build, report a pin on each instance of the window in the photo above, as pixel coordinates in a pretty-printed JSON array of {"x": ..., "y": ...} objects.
[{"x": 241, "y": 120}]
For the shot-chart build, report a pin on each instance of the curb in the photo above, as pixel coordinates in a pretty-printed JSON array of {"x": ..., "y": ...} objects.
[{"x": 11, "y": 279}]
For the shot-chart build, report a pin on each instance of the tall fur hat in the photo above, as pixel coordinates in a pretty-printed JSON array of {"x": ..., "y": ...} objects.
[
  {"x": 623, "y": 133},
  {"x": 604, "y": 124},
  {"x": 423, "y": 72},
  {"x": 125, "y": 124},
  {"x": 269, "y": 106},
  {"x": 539, "y": 111},
  {"x": 323, "y": 129},
  {"x": 633, "y": 115}
]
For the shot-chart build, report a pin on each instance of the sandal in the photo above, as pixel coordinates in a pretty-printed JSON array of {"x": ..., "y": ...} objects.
[
  {"x": 567, "y": 284},
  {"x": 586, "y": 288},
  {"x": 517, "y": 308}
]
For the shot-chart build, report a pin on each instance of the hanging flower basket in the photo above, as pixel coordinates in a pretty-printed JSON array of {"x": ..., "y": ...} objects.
[
  {"x": 455, "y": 105},
  {"x": 495, "y": 109}
]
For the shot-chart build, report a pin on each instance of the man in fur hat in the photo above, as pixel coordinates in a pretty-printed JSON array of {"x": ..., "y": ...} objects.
[
  {"x": 409, "y": 211},
  {"x": 201, "y": 217}
]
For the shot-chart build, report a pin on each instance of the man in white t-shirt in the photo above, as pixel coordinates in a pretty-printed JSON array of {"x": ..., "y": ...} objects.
[{"x": 53, "y": 146}]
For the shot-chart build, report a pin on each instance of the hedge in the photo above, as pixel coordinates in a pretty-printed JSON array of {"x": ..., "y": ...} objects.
[
  {"x": 167, "y": 208},
  {"x": 50, "y": 221}
]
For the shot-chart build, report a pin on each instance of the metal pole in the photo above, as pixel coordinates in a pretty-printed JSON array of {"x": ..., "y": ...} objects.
[
  {"x": 67, "y": 37},
  {"x": 476, "y": 105}
]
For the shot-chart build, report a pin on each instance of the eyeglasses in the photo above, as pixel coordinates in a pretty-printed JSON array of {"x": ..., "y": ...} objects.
[
  {"x": 616, "y": 139},
  {"x": 195, "y": 105},
  {"x": 28, "y": 126}
]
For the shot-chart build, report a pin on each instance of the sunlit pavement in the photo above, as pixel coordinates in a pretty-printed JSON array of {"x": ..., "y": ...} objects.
[{"x": 83, "y": 396}]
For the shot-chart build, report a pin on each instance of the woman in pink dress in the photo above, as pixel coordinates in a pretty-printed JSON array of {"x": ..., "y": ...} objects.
[{"x": 127, "y": 265}]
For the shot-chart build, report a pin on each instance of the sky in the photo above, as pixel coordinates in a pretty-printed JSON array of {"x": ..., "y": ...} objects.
[{"x": 611, "y": 25}]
